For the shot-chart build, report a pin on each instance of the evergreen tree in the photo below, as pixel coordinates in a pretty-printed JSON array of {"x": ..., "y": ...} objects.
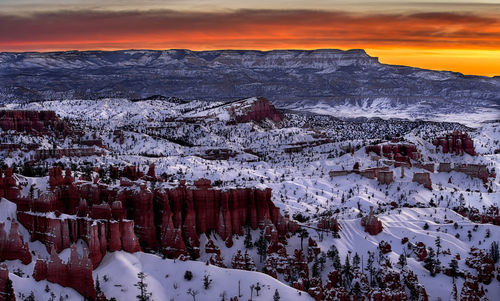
[
  {"x": 332, "y": 252},
  {"x": 261, "y": 245},
  {"x": 453, "y": 268},
  {"x": 347, "y": 272},
  {"x": 257, "y": 288},
  {"x": 302, "y": 234},
  {"x": 315, "y": 268},
  {"x": 276, "y": 296},
  {"x": 248, "y": 239},
  {"x": 206, "y": 281},
  {"x": 144, "y": 295},
  {"x": 97, "y": 285},
  {"x": 430, "y": 262},
  {"x": 336, "y": 263},
  {"x": 9, "y": 291},
  {"x": 370, "y": 267},
  {"x": 356, "y": 289},
  {"x": 438, "y": 245},
  {"x": 402, "y": 260},
  {"x": 494, "y": 251},
  {"x": 356, "y": 261}
]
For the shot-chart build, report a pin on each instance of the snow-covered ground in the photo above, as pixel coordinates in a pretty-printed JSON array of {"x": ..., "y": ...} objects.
[{"x": 154, "y": 132}]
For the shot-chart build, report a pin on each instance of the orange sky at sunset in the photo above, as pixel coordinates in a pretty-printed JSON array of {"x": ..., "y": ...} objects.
[{"x": 462, "y": 40}]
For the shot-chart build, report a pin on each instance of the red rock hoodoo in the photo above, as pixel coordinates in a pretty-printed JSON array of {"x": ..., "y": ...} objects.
[
  {"x": 76, "y": 273},
  {"x": 260, "y": 110},
  {"x": 457, "y": 142},
  {"x": 13, "y": 247},
  {"x": 423, "y": 178},
  {"x": 371, "y": 223}
]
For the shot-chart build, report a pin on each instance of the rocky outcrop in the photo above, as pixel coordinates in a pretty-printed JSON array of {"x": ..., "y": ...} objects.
[
  {"x": 33, "y": 122},
  {"x": 401, "y": 152},
  {"x": 8, "y": 185},
  {"x": 258, "y": 110},
  {"x": 170, "y": 219},
  {"x": 6, "y": 293},
  {"x": 371, "y": 223},
  {"x": 13, "y": 247},
  {"x": 385, "y": 177},
  {"x": 456, "y": 142},
  {"x": 76, "y": 273},
  {"x": 100, "y": 235},
  {"x": 423, "y": 178},
  {"x": 42, "y": 154},
  {"x": 479, "y": 171}
]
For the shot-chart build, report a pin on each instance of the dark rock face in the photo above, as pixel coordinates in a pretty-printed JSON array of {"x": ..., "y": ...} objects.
[{"x": 327, "y": 75}]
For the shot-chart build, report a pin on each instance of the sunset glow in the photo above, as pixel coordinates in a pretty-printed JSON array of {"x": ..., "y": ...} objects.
[{"x": 465, "y": 39}]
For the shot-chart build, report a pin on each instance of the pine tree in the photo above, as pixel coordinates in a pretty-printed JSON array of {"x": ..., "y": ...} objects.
[
  {"x": 356, "y": 261},
  {"x": 402, "y": 260},
  {"x": 356, "y": 289},
  {"x": 347, "y": 272},
  {"x": 261, "y": 245},
  {"x": 370, "y": 267},
  {"x": 248, "y": 239},
  {"x": 97, "y": 285},
  {"x": 336, "y": 262},
  {"x": 206, "y": 281},
  {"x": 438, "y": 245},
  {"x": 332, "y": 252},
  {"x": 453, "y": 268},
  {"x": 430, "y": 263},
  {"x": 494, "y": 251},
  {"x": 302, "y": 234},
  {"x": 9, "y": 291},
  {"x": 276, "y": 296},
  {"x": 144, "y": 295}
]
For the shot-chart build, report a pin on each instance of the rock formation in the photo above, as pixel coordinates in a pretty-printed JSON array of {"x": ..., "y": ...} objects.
[
  {"x": 13, "y": 247},
  {"x": 423, "y": 178},
  {"x": 385, "y": 177},
  {"x": 33, "y": 122},
  {"x": 371, "y": 223},
  {"x": 258, "y": 110},
  {"x": 5, "y": 293},
  {"x": 76, "y": 273},
  {"x": 456, "y": 142}
]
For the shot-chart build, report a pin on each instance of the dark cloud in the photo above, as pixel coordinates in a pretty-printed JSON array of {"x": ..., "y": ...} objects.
[{"x": 245, "y": 29}]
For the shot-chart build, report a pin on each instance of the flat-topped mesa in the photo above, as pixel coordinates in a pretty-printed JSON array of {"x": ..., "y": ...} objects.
[
  {"x": 456, "y": 142},
  {"x": 33, "y": 122},
  {"x": 371, "y": 223},
  {"x": 319, "y": 58}
]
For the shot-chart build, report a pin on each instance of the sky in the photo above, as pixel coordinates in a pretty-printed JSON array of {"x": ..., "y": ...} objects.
[{"x": 457, "y": 35}]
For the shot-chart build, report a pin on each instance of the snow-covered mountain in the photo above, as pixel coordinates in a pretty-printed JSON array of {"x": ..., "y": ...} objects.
[{"x": 323, "y": 80}]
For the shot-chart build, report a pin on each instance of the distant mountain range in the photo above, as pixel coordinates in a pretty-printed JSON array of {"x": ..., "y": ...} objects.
[{"x": 317, "y": 79}]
